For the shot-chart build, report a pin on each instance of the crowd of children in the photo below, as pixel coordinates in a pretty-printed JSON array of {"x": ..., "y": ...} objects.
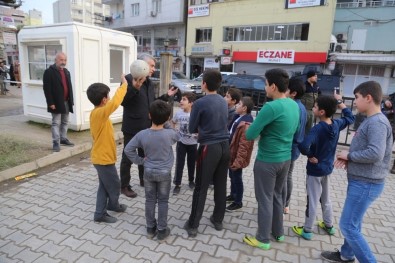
[{"x": 217, "y": 135}]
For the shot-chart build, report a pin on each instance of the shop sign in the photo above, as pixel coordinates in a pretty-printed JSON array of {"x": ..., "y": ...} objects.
[
  {"x": 202, "y": 49},
  {"x": 226, "y": 60},
  {"x": 303, "y": 3},
  {"x": 199, "y": 10},
  {"x": 276, "y": 56},
  {"x": 211, "y": 63},
  {"x": 9, "y": 38}
]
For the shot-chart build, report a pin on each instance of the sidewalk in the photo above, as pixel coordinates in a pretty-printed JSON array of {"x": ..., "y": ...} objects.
[{"x": 48, "y": 218}]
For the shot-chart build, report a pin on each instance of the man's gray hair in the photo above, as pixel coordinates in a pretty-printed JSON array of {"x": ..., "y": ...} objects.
[{"x": 145, "y": 57}]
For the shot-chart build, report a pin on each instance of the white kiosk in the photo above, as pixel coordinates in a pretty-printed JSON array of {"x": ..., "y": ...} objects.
[{"x": 94, "y": 54}]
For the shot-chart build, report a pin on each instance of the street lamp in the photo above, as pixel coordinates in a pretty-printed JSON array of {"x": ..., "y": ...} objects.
[{"x": 166, "y": 43}]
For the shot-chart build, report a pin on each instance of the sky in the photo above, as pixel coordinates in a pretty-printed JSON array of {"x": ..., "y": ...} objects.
[{"x": 45, "y": 6}]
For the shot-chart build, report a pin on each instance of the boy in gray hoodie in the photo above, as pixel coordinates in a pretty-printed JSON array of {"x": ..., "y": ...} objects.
[{"x": 367, "y": 163}]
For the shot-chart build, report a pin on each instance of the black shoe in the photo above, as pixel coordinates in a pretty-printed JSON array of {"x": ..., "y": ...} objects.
[
  {"x": 151, "y": 232},
  {"x": 217, "y": 226},
  {"x": 128, "y": 192},
  {"x": 56, "y": 147},
  {"x": 120, "y": 209},
  {"x": 334, "y": 256},
  {"x": 191, "y": 184},
  {"x": 192, "y": 232},
  {"x": 176, "y": 190},
  {"x": 66, "y": 142},
  {"x": 106, "y": 218},
  {"x": 230, "y": 198},
  {"x": 233, "y": 207},
  {"x": 7, "y": 90},
  {"x": 163, "y": 234}
]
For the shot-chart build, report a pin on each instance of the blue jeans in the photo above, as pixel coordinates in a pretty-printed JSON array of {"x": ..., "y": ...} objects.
[
  {"x": 157, "y": 189},
  {"x": 60, "y": 123},
  {"x": 360, "y": 195},
  {"x": 236, "y": 185}
]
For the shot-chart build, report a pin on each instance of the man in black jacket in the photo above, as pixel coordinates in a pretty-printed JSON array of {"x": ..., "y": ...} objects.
[
  {"x": 59, "y": 95},
  {"x": 135, "y": 118}
]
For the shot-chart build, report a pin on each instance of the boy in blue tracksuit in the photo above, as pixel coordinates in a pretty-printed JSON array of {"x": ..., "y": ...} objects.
[{"x": 320, "y": 147}]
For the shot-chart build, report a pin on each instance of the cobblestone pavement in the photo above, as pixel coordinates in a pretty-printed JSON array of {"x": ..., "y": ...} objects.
[{"x": 49, "y": 219}]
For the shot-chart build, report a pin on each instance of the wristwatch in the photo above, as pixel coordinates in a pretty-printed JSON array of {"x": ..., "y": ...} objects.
[{"x": 339, "y": 101}]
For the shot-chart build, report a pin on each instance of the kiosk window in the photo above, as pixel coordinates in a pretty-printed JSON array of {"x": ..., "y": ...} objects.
[{"x": 40, "y": 57}]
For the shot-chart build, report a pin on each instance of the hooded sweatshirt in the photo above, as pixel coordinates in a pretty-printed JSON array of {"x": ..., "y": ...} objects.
[{"x": 321, "y": 143}]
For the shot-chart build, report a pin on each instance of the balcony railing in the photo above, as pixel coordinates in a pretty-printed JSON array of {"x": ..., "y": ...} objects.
[{"x": 364, "y": 4}]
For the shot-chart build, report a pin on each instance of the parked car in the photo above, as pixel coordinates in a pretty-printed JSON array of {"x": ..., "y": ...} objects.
[
  {"x": 249, "y": 85},
  {"x": 181, "y": 81},
  {"x": 224, "y": 74}
]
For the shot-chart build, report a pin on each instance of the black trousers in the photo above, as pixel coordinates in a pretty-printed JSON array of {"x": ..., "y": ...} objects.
[
  {"x": 190, "y": 151},
  {"x": 212, "y": 165},
  {"x": 126, "y": 163}
]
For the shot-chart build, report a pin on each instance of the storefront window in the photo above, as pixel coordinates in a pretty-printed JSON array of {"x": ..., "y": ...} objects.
[{"x": 40, "y": 57}]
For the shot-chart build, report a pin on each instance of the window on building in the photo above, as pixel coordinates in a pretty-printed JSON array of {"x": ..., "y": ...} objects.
[
  {"x": 363, "y": 70},
  {"x": 116, "y": 64},
  {"x": 350, "y": 69},
  {"x": 199, "y": 2},
  {"x": 40, "y": 57},
  {"x": 378, "y": 71},
  {"x": 203, "y": 35},
  {"x": 135, "y": 9},
  {"x": 139, "y": 40},
  {"x": 157, "y": 6},
  {"x": 283, "y": 32}
]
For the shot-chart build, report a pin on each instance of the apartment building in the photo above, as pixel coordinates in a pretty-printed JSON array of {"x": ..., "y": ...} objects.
[
  {"x": 34, "y": 18},
  {"x": 10, "y": 20},
  {"x": 157, "y": 25},
  {"x": 366, "y": 43},
  {"x": 91, "y": 12},
  {"x": 254, "y": 35}
]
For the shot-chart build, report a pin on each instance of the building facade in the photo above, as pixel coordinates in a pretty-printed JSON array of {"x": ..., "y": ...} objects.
[
  {"x": 253, "y": 35},
  {"x": 157, "y": 25},
  {"x": 366, "y": 43},
  {"x": 10, "y": 20},
  {"x": 91, "y": 12},
  {"x": 34, "y": 18}
]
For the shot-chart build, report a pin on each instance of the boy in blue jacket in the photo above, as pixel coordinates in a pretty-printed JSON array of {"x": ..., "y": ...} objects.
[{"x": 320, "y": 147}]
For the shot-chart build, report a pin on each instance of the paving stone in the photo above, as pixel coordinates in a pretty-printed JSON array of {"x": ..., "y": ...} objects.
[
  {"x": 18, "y": 237},
  {"x": 188, "y": 254},
  {"x": 11, "y": 249},
  {"x": 91, "y": 248},
  {"x": 130, "y": 249},
  {"x": 226, "y": 253},
  {"x": 88, "y": 259},
  {"x": 5, "y": 231},
  {"x": 39, "y": 231},
  {"x": 150, "y": 255},
  {"x": 108, "y": 254},
  {"x": 69, "y": 255},
  {"x": 55, "y": 237},
  {"x": 72, "y": 242},
  {"x": 110, "y": 242},
  {"x": 26, "y": 255},
  {"x": 45, "y": 258},
  {"x": 33, "y": 243}
]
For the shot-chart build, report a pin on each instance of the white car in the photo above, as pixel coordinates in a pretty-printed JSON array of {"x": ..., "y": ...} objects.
[
  {"x": 181, "y": 81},
  {"x": 223, "y": 73}
]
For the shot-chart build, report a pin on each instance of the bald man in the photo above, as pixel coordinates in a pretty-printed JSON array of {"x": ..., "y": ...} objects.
[{"x": 59, "y": 95}]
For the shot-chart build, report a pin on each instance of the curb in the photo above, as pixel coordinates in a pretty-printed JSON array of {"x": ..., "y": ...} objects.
[{"x": 50, "y": 159}]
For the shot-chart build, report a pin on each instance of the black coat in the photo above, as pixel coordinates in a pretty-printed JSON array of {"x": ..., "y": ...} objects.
[
  {"x": 53, "y": 89},
  {"x": 136, "y": 106}
]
